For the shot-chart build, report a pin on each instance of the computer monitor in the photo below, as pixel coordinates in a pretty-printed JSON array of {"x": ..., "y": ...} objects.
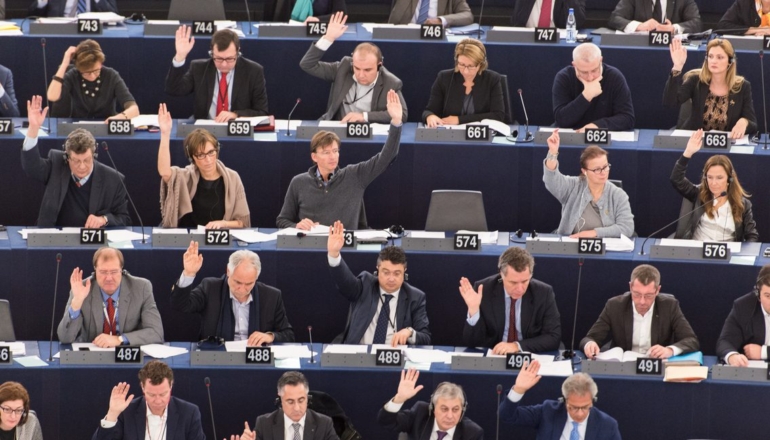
[
  {"x": 196, "y": 10},
  {"x": 6, "y": 323}
]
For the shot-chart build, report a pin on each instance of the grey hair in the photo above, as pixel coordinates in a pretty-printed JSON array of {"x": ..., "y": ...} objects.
[
  {"x": 579, "y": 384},
  {"x": 586, "y": 52},
  {"x": 293, "y": 378},
  {"x": 241, "y": 256},
  {"x": 448, "y": 390},
  {"x": 79, "y": 141},
  {"x": 517, "y": 258}
]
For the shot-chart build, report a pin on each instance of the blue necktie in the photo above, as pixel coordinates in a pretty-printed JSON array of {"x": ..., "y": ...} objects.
[
  {"x": 81, "y": 6},
  {"x": 423, "y": 15},
  {"x": 574, "y": 435},
  {"x": 382, "y": 321}
]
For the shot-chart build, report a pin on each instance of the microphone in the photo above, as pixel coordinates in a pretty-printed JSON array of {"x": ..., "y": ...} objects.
[
  {"x": 764, "y": 102},
  {"x": 724, "y": 193},
  {"x": 497, "y": 427},
  {"x": 207, "y": 381},
  {"x": 481, "y": 13},
  {"x": 310, "y": 335},
  {"x": 288, "y": 120},
  {"x": 45, "y": 80},
  {"x": 528, "y": 136},
  {"x": 250, "y": 28},
  {"x": 141, "y": 223},
  {"x": 53, "y": 312}
]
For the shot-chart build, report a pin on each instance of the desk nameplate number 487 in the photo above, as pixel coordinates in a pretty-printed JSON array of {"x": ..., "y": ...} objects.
[
  {"x": 128, "y": 354},
  {"x": 90, "y": 26}
]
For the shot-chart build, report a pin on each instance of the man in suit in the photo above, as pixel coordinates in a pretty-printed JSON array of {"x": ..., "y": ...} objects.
[
  {"x": 156, "y": 414},
  {"x": 118, "y": 309},
  {"x": 591, "y": 94},
  {"x": 360, "y": 82},
  {"x": 79, "y": 191},
  {"x": 449, "y": 13},
  {"x": 511, "y": 311},
  {"x": 445, "y": 414},
  {"x": 226, "y": 86},
  {"x": 292, "y": 416},
  {"x": 70, "y": 8},
  {"x": 573, "y": 416},
  {"x": 374, "y": 316},
  {"x": 680, "y": 17},
  {"x": 642, "y": 321},
  {"x": 233, "y": 307},
  {"x": 746, "y": 334},
  {"x": 547, "y": 13},
  {"x": 8, "y": 106}
]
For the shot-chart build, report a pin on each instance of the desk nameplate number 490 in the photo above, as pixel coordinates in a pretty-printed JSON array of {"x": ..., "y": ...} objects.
[
  {"x": 546, "y": 35},
  {"x": 203, "y": 28},
  {"x": 660, "y": 38},
  {"x": 316, "y": 29},
  {"x": 517, "y": 361},
  {"x": 431, "y": 32},
  {"x": 5, "y": 355},
  {"x": 92, "y": 236},
  {"x": 90, "y": 26},
  {"x": 715, "y": 251},
  {"x": 128, "y": 354},
  {"x": 258, "y": 355},
  {"x": 649, "y": 366},
  {"x": 388, "y": 358},
  {"x": 6, "y": 126}
]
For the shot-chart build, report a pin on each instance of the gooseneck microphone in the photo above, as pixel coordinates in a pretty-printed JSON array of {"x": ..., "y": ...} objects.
[
  {"x": 528, "y": 136},
  {"x": 45, "y": 80},
  {"x": 722, "y": 194},
  {"x": 207, "y": 381},
  {"x": 497, "y": 426},
  {"x": 53, "y": 312},
  {"x": 764, "y": 102},
  {"x": 141, "y": 223},
  {"x": 248, "y": 14},
  {"x": 288, "y": 120},
  {"x": 481, "y": 13},
  {"x": 310, "y": 335}
]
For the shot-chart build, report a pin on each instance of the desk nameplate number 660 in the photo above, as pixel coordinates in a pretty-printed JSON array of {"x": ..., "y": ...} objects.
[
  {"x": 128, "y": 354},
  {"x": 359, "y": 130},
  {"x": 90, "y": 26}
]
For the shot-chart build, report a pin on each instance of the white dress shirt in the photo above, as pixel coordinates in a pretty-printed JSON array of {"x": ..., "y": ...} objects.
[
  {"x": 534, "y": 17},
  {"x": 289, "y": 430},
  {"x": 633, "y": 24},
  {"x": 641, "y": 340}
]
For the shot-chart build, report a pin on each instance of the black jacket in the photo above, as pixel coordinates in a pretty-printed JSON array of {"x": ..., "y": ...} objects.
[{"x": 448, "y": 92}]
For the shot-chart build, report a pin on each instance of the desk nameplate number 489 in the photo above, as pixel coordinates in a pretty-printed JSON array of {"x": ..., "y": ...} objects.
[
  {"x": 90, "y": 26},
  {"x": 388, "y": 358},
  {"x": 649, "y": 366},
  {"x": 258, "y": 355},
  {"x": 660, "y": 38},
  {"x": 128, "y": 354},
  {"x": 431, "y": 32},
  {"x": 546, "y": 35}
]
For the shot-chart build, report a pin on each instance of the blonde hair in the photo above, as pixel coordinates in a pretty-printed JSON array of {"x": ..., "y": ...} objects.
[
  {"x": 734, "y": 81},
  {"x": 473, "y": 49}
]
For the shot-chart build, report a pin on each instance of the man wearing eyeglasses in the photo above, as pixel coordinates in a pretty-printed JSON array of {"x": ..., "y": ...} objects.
[
  {"x": 360, "y": 82},
  {"x": 119, "y": 309},
  {"x": 572, "y": 417},
  {"x": 591, "y": 94},
  {"x": 642, "y": 320},
  {"x": 226, "y": 86},
  {"x": 79, "y": 190}
]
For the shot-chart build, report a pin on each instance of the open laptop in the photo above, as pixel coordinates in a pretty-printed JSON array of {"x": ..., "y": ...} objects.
[
  {"x": 6, "y": 323},
  {"x": 196, "y": 10}
]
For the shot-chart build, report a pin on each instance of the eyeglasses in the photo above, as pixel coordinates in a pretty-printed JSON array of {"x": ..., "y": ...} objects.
[
  {"x": 647, "y": 297},
  {"x": 466, "y": 67},
  {"x": 111, "y": 273},
  {"x": 91, "y": 72},
  {"x": 227, "y": 60},
  {"x": 575, "y": 409},
  {"x": 327, "y": 153},
  {"x": 78, "y": 162},
  {"x": 601, "y": 170},
  {"x": 201, "y": 156},
  {"x": 8, "y": 411}
]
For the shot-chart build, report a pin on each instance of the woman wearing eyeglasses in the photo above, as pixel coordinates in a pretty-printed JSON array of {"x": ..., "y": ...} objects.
[
  {"x": 205, "y": 192},
  {"x": 16, "y": 420},
  {"x": 90, "y": 90},
  {"x": 721, "y": 99},
  {"x": 716, "y": 217},
  {"x": 591, "y": 205},
  {"x": 468, "y": 93}
]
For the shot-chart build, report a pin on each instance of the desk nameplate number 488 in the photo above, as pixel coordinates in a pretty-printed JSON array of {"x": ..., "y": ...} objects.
[{"x": 258, "y": 355}]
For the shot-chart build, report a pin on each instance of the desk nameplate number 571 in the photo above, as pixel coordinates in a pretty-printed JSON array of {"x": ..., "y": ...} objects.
[
  {"x": 5, "y": 355},
  {"x": 203, "y": 28},
  {"x": 92, "y": 236},
  {"x": 6, "y": 126},
  {"x": 715, "y": 251},
  {"x": 660, "y": 38},
  {"x": 90, "y": 26},
  {"x": 546, "y": 35},
  {"x": 431, "y": 32},
  {"x": 649, "y": 366},
  {"x": 128, "y": 354}
]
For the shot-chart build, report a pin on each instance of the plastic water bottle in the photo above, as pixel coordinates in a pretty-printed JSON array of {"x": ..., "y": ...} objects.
[{"x": 571, "y": 27}]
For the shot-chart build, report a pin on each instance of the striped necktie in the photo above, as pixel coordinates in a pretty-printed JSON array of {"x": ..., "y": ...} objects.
[{"x": 82, "y": 7}]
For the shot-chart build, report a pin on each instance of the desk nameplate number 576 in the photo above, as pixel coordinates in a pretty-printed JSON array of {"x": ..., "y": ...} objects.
[
  {"x": 546, "y": 35},
  {"x": 660, "y": 38},
  {"x": 92, "y": 236},
  {"x": 431, "y": 32},
  {"x": 6, "y": 126},
  {"x": 90, "y": 26},
  {"x": 5, "y": 355},
  {"x": 715, "y": 251},
  {"x": 203, "y": 28},
  {"x": 128, "y": 354}
]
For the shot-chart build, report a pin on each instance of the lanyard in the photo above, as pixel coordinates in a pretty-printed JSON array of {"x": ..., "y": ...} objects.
[{"x": 112, "y": 323}]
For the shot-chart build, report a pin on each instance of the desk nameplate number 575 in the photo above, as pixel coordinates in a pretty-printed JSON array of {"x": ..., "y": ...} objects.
[
  {"x": 6, "y": 126},
  {"x": 660, "y": 38},
  {"x": 316, "y": 29},
  {"x": 546, "y": 35},
  {"x": 92, "y": 236},
  {"x": 128, "y": 354},
  {"x": 715, "y": 251},
  {"x": 649, "y": 366},
  {"x": 218, "y": 237},
  {"x": 5, "y": 355},
  {"x": 517, "y": 361},
  {"x": 258, "y": 355},
  {"x": 431, "y": 32},
  {"x": 91, "y": 26},
  {"x": 590, "y": 246},
  {"x": 203, "y": 28}
]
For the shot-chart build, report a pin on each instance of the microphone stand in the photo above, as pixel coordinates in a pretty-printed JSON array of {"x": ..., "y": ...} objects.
[
  {"x": 571, "y": 354},
  {"x": 53, "y": 312},
  {"x": 763, "y": 137}
]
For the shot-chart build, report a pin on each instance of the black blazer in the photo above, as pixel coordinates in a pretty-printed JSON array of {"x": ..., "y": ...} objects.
[
  {"x": 249, "y": 96},
  {"x": 616, "y": 323},
  {"x": 739, "y": 16},
  {"x": 682, "y": 12},
  {"x": 184, "y": 422},
  {"x": 317, "y": 426},
  {"x": 55, "y": 8},
  {"x": 8, "y": 105},
  {"x": 745, "y": 230},
  {"x": 448, "y": 92},
  {"x": 744, "y": 325},
  {"x": 280, "y": 10},
  {"x": 523, "y": 9},
  {"x": 206, "y": 300},
  {"x": 417, "y": 422},
  {"x": 108, "y": 197},
  {"x": 678, "y": 91},
  {"x": 540, "y": 320}
]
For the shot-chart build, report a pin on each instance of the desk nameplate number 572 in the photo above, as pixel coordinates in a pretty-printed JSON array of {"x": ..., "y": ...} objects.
[
  {"x": 218, "y": 237},
  {"x": 90, "y": 26},
  {"x": 5, "y": 355},
  {"x": 128, "y": 354},
  {"x": 258, "y": 355},
  {"x": 517, "y": 361},
  {"x": 6, "y": 126},
  {"x": 92, "y": 236},
  {"x": 660, "y": 38},
  {"x": 431, "y": 32},
  {"x": 203, "y": 28},
  {"x": 546, "y": 35},
  {"x": 316, "y": 29},
  {"x": 649, "y": 366},
  {"x": 715, "y": 251}
]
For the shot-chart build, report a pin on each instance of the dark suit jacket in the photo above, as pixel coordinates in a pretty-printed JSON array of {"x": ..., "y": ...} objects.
[
  {"x": 107, "y": 194},
  {"x": 740, "y": 16},
  {"x": 678, "y": 91},
  {"x": 184, "y": 422},
  {"x": 550, "y": 417},
  {"x": 540, "y": 320},
  {"x": 682, "y": 12},
  {"x": 418, "y": 423},
  {"x": 317, "y": 427},
  {"x": 206, "y": 300},
  {"x": 249, "y": 96},
  {"x": 8, "y": 105},
  {"x": 55, "y": 8},
  {"x": 340, "y": 74},
  {"x": 280, "y": 10},
  {"x": 744, "y": 325},
  {"x": 448, "y": 92},
  {"x": 138, "y": 316},
  {"x": 745, "y": 230},
  {"x": 523, "y": 9},
  {"x": 456, "y": 12},
  {"x": 669, "y": 326},
  {"x": 363, "y": 292}
]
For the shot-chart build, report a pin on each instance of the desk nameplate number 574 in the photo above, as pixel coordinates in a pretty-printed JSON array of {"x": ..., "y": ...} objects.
[
  {"x": 467, "y": 242},
  {"x": 660, "y": 38},
  {"x": 5, "y": 355},
  {"x": 128, "y": 354},
  {"x": 90, "y": 26}
]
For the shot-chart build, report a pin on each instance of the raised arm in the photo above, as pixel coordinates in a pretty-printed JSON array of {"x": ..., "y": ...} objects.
[{"x": 164, "y": 153}]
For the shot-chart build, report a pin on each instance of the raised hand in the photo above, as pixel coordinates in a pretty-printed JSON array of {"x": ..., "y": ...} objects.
[
  {"x": 471, "y": 297},
  {"x": 184, "y": 42},
  {"x": 248, "y": 434},
  {"x": 336, "y": 239},
  {"x": 192, "y": 260},
  {"x": 694, "y": 144},
  {"x": 164, "y": 120},
  {"x": 118, "y": 401},
  {"x": 554, "y": 142},
  {"x": 336, "y": 27},
  {"x": 527, "y": 377},
  {"x": 678, "y": 54},
  {"x": 408, "y": 387},
  {"x": 35, "y": 114},
  {"x": 79, "y": 291},
  {"x": 68, "y": 54},
  {"x": 394, "y": 107}
]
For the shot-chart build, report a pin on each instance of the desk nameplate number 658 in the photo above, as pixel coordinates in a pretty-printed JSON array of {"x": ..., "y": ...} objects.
[{"x": 5, "y": 355}]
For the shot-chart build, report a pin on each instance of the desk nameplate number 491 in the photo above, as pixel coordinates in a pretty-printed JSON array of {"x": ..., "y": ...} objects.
[
  {"x": 660, "y": 38},
  {"x": 649, "y": 366},
  {"x": 517, "y": 361},
  {"x": 90, "y": 26},
  {"x": 715, "y": 251},
  {"x": 128, "y": 354},
  {"x": 203, "y": 28},
  {"x": 546, "y": 35},
  {"x": 5, "y": 355},
  {"x": 431, "y": 32},
  {"x": 258, "y": 355}
]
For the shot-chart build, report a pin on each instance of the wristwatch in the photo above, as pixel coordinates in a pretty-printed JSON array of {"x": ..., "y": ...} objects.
[
  {"x": 106, "y": 221},
  {"x": 122, "y": 339},
  {"x": 411, "y": 331}
]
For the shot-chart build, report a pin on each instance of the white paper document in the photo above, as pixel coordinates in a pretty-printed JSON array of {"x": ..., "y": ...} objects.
[
  {"x": 758, "y": 364},
  {"x": 486, "y": 237},
  {"x": 160, "y": 351},
  {"x": 30, "y": 361},
  {"x": 142, "y": 120},
  {"x": 315, "y": 230},
  {"x": 285, "y": 124},
  {"x": 376, "y": 347},
  {"x": 371, "y": 233},
  {"x": 422, "y": 355},
  {"x": 116, "y": 235},
  {"x": 25, "y": 232},
  {"x": 104, "y": 17},
  {"x": 617, "y": 354},
  {"x": 420, "y": 366},
  {"x": 76, "y": 346},
  {"x": 622, "y": 244},
  {"x": 253, "y": 236},
  {"x": 288, "y": 363},
  {"x": 17, "y": 348},
  {"x": 556, "y": 368},
  {"x": 370, "y": 26},
  {"x": 623, "y": 136},
  {"x": 345, "y": 349},
  {"x": 290, "y": 351}
]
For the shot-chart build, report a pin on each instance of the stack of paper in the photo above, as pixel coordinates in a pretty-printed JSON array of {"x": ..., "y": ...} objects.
[
  {"x": 316, "y": 230},
  {"x": 426, "y": 356},
  {"x": 253, "y": 236},
  {"x": 617, "y": 354},
  {"x": 160, "y": 351},
  {"x": 345, "y": 349},
  {"x": 17, "y": 348},
  {"x": 685, "y": 374},
  {"x": 486, "y": 237}
]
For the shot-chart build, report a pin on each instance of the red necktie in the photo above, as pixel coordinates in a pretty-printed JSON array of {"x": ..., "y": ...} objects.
[
  {"x": 222, "y": 95},
  {"x": 545, "y": 15},
  {"x": 512, "y": 337},
  {"x": 109, "y": 322}
]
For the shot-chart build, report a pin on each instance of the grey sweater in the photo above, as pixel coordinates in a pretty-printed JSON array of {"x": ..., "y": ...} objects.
[
  {"x": 574, "y": 195},
  {"x": 342, "y": 198},
  {"x": 30, "y": 430}
]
